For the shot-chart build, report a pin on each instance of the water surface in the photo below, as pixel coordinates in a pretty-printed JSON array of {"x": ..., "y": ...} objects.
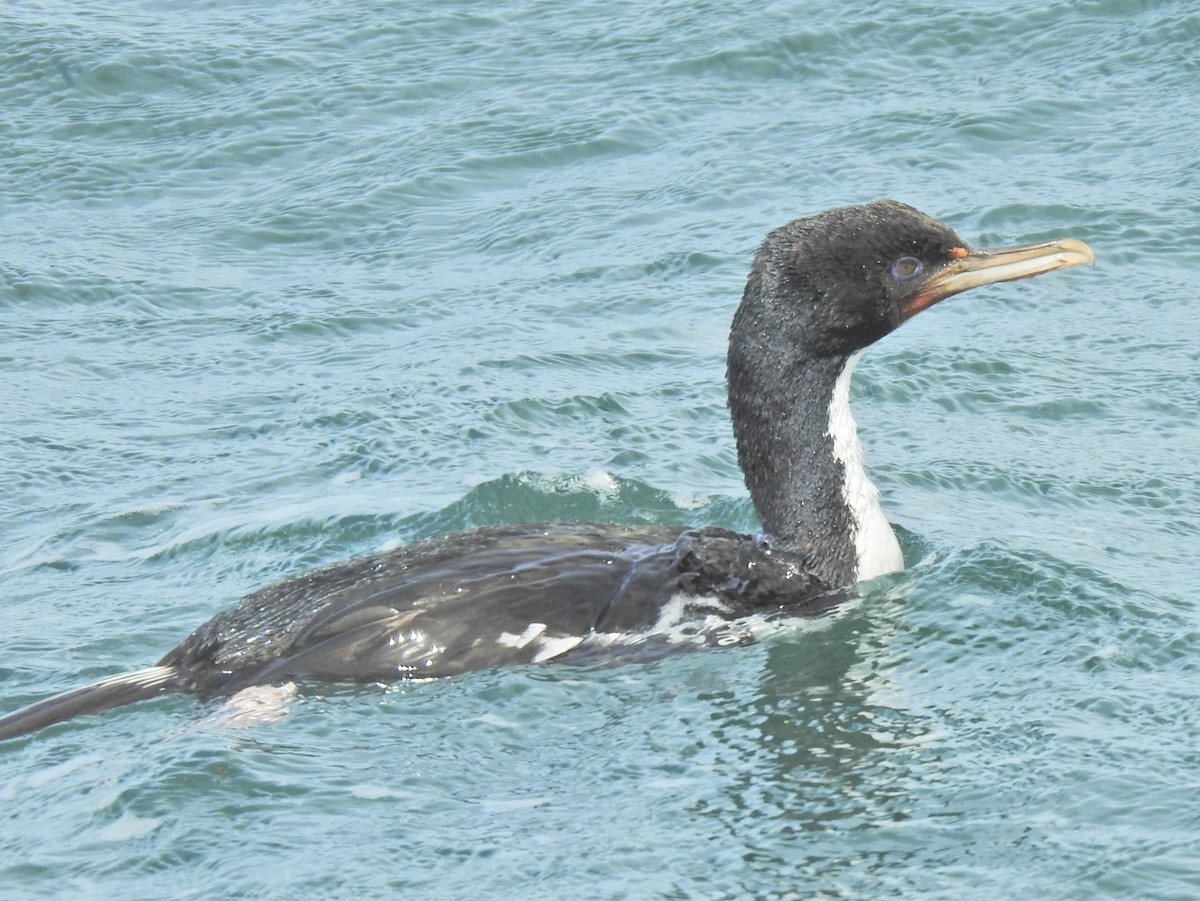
[{"x": 283, "y": 285}]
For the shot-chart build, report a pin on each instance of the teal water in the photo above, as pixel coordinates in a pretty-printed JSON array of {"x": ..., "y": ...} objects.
[{"x": 283, "y": 284}]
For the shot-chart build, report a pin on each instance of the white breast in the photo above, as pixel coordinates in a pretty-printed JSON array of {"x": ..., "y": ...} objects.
[{"x": 875, "y": 543}]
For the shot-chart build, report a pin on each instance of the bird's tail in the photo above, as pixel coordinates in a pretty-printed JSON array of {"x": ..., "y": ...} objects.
[{"x": 114, "y": 691}]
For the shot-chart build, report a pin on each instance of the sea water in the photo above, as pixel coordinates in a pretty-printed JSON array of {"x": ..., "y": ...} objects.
[{"x": 282, "y": 284}]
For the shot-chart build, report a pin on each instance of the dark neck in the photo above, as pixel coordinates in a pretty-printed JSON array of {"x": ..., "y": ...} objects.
[{"x": 781, "y": 419}]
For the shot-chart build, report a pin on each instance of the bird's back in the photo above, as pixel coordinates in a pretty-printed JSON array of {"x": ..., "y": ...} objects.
[{"x": 500, "y": 595}]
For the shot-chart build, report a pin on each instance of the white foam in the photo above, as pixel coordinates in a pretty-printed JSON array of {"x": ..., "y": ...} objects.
[{"x": 253, "y": 706}]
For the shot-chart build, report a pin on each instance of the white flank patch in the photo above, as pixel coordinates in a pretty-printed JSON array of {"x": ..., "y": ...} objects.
[
  {"x": 678, "y": 624},
  {"x": 875, "y": 543},
  {"x": 532, "y": 631},
  {"x": 546, "y": 647},
  {"x": 549, "y": 648}
]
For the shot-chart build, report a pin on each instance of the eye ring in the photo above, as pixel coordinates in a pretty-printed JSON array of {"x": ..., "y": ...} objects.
[{"x": 906, "y": 268}]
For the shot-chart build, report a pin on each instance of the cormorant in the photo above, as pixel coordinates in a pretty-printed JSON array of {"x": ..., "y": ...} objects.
[{"x": 821, "y": 289}]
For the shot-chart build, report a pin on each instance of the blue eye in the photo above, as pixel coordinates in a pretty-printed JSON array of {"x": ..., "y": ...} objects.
[{"x": 906, "y": 268}]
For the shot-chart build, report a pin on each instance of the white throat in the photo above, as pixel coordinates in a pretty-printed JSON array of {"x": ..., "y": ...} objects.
[{"x": 875, "y": 543}]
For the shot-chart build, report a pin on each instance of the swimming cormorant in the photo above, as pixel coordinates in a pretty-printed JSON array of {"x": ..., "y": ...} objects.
[{"x": 821, "y": 289}]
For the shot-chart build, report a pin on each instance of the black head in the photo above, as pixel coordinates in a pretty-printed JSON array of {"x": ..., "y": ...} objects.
[
  {"x": 836, "y": 282},
  {"x": 821, "y": 290}
]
